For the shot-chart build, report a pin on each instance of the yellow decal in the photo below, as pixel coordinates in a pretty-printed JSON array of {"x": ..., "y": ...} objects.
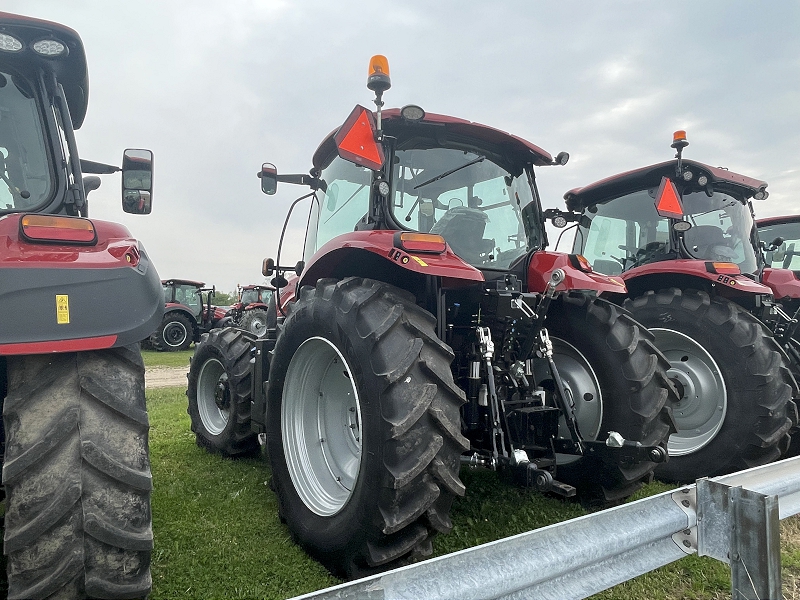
[
  {"x": 62, "y": 309},
  {"x": 421, "y": 262}
]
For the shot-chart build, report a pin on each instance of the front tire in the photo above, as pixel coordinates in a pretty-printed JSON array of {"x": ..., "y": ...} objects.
[
  {"x": 599, "y": 345},
  {"x": 175, "y": 333},
  {"x": 219, "y": 392},
  {"x": 364, "y": 430},
  {"x": 77, "y": 476},
  {"x": 734, "y": 384}
]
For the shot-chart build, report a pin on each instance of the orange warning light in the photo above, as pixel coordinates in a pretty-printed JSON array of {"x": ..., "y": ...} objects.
[{"x": 378, "y": 77}]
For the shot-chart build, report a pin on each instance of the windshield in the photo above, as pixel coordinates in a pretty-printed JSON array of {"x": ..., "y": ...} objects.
[
  {"x": 343, "y": 204},
  {"x": 627, "y": 232},
  {"x": 473, "y": 203},
  {"x": 25, "y": 176},
  {"x": 787, "y": 255}
]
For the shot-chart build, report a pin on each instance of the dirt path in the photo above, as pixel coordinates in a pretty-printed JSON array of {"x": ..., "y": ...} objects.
[{"x": 160, "y": 377}]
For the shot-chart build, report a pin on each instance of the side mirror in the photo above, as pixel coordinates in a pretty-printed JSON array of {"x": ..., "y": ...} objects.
[
  {"x": 90, "y": 183},
  {"x": 137, "y": 181},
  {"x": 267, "y": 267},
  {"x": 269, "y": 179}
]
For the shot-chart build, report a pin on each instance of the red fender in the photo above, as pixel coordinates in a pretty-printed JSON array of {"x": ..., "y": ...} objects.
[
  {"x": 697, "y": 268},
  {"x": 544, "y": 263},
  {"x": 784, "y": 283}
]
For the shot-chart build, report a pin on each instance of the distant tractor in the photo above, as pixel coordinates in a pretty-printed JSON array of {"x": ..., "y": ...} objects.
[
  {"x": 681, "y": 235},
  {"x": 252, "y": 310},
  {"x": 428, "y": 328},
  {"x": 76, "y": 297},
  {"x": 188, "y": 314}
]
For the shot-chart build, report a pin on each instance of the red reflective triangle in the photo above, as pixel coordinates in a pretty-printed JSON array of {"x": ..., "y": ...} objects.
[
  {"x": 668, "y": 201},
  {"x": 355, "y": 140}
]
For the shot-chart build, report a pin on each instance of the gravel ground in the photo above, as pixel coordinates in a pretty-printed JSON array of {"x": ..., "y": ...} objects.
[{"x": 160, "y": 377}]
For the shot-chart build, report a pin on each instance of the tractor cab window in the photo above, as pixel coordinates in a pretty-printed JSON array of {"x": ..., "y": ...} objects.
[
  {"x": 787, "y": 255},
  {"x": 249, "y": 296},
  {"x": 26, "y": 180},
  {"x": 475, "y": 204},
  {"x": 627, "y": 232},
  {"x": 189, "y": 296},
  {"x": 342, "y": 203}
]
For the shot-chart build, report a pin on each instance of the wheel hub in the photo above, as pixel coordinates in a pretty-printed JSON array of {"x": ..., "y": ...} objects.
[
  {"x": 213, "y": 396},
  {"x": 222, "y": 396}
]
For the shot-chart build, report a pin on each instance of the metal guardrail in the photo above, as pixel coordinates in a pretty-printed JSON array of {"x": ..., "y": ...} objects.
[{"x": 734, "y": 518}]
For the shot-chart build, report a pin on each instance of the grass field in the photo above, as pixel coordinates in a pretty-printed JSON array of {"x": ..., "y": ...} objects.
[
  {"x": 167, "y": 359},
  {"x": 217, "y": 533}
]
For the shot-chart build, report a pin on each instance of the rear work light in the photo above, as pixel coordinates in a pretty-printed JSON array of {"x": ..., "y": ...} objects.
[
  {"x": 428, "y": 243},
  {"x": 8, "y": 43},
  {"x": 723, "y": 268},
  {"x": 58, "y": 230}
]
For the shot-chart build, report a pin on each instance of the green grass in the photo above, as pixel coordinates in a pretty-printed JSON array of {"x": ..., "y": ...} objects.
[
  {"x": 217, "y": 533},
  {"x": 153, "y": 358}
]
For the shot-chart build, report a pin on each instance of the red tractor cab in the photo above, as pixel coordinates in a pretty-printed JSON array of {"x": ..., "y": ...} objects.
[
  {"x": 427, "y": 327},
  {"x": 682, "y": 237},
  {"x": 188, "y": 314},
  {"x": 252, "y": 311},
  {"x": 76, "y": 296}
]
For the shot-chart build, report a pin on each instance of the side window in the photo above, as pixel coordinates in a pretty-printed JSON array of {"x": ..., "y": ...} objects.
[{"x": 605, "y": 244}]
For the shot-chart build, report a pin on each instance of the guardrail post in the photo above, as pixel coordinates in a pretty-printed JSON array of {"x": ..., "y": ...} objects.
[{"x": 742, "y": 528}]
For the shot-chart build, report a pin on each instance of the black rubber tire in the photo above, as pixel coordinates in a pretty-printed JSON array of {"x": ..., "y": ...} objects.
[
  {"x": 410, "y": 425},
  {"x": 77, "y": 476},
  {"x": 221, "y": 372},
  {"x": 175, "y": 333},
  {"x": 636, "y": 392},
  {"x": 255, "y": 321},
  {"x": 754, "y": 430}
]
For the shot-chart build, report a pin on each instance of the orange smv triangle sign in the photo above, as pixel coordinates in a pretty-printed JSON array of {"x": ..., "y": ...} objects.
[
  {"x": 355, "y": 140},
  {"x": 668, "y": 201}
]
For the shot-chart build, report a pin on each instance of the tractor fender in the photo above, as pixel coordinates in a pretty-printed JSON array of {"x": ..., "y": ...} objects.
[
  {"x": 784, "y": 283},
  {"x": 75, "y": 297},
  {"x": 543, "y": 263},
  {"x": 670, "y": 273},
  {"x": 373, "y": 254}
]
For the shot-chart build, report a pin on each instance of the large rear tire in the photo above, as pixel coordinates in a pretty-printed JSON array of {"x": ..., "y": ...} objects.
[
  {"x": 175, "y": 333},
  {"x": 598, "y": 345},
  {"x": 77, "y": 476},
  {"x": 733, "y": 381},
  {"x": 219, "y": 392},
  {"x": 364, "y": 429}
]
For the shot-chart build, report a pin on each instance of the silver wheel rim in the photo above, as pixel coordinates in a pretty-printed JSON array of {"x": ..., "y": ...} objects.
[
  {"x": 175, "y": 334},
  {"x": 321, "y": 426},
  {"x": 258, "y": 325},
  {"x": 213, "y": 396},
  {"x": 700, "y": 413},
  {"x": 581, "y": 381}
]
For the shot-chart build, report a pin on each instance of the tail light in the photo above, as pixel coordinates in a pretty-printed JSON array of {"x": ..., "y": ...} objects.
[
  {"x": 579, "y": 262},
  {"x": 723, "y": 268},
  {"x": 420, "y": 242},
  {"x": 57, "y": 230}
]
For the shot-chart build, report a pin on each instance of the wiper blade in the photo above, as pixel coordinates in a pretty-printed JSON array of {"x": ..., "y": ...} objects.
[{"x": 450, "y": 172}]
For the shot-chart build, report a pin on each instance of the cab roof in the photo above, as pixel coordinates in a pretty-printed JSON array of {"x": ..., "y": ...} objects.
[
  {"x": 70, "y": 70},
  {"x": 623, "y": 183},
  {"x": 182, "y": 282},
  {"x": 449, "y": 129},
  {"x": 767, "y": 221}
]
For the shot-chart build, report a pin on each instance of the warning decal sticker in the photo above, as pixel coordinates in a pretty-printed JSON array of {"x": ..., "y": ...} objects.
[{"x": 62, "y": 309}]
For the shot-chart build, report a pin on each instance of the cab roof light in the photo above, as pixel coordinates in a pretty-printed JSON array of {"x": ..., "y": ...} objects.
[
  {"x": 355, "y": 140},
  {"x": 50, "y": 48},
  {"x": 723, "y": 268},
  {"x": 378, "y": 79},
  {"x": 668, "y": 200},
  {"x": 58, "y": 230},
  {"x": 427, "y": 243},
  {"x": 679, "y": 140},
  {"x": 8, "y": 43}
]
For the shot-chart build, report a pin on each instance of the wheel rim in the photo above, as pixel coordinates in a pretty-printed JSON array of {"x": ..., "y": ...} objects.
[
  {"x": 581, "y": 381},
  {"x": 213, "y": 396},
  {"x": 258, "y": 325},
  {"x": 704, "y": 402},
  {"x": 175, "y": 334},
  {"x": 321, "y": 426}
]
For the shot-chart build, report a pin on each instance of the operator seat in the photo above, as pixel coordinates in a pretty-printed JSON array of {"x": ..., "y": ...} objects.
[{"x": 463, "y": 228}]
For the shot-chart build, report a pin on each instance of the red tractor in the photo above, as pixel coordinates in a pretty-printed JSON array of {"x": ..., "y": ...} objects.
[
  {"x": 429, "y": 328},
  {"x": 252, "y": 312},
  {"x": 76, "y": 295},
  {"x": 188, "y": 314},
  {"x": 681, "y": 234}
]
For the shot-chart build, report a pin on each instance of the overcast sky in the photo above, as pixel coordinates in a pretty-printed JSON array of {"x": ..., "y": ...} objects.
[{"x": 217, "y": 88}]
